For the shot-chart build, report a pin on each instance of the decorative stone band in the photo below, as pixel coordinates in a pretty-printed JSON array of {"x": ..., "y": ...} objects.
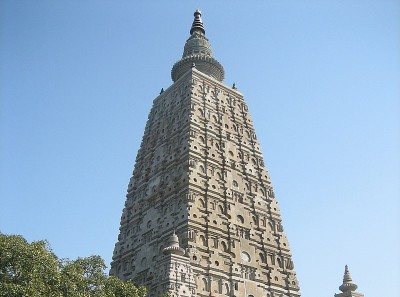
[
  {"x": 197, "y": 44},
  {"x": 205, "y": 64}
]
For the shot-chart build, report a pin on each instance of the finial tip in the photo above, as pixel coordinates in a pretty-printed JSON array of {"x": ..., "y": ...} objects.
[{"x": 197, "y": 23}]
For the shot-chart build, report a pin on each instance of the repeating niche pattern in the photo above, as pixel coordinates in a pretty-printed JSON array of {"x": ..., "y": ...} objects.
[
  {"x": 200, "y": 173},
  {"x": 233, "y": 220}
]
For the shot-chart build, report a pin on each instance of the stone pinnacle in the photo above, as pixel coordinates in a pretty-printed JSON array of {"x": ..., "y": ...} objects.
[{"x": 348, "y": 284}]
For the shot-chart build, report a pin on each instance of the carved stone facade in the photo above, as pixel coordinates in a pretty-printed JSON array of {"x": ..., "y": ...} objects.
[{"x": 200, "y": 173}]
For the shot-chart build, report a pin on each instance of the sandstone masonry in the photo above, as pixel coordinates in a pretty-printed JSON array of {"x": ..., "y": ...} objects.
[{"x": 201, "y": 217}]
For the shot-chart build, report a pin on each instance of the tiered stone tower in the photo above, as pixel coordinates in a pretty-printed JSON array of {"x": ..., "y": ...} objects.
[
  {"x": 200, "y": 177},
  {"x": 348, "y": 288}
]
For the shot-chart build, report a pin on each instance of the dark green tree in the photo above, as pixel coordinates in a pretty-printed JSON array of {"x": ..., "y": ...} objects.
[
  {"x": 27, "y": 269},
  {"x": 33, "y": 270}
]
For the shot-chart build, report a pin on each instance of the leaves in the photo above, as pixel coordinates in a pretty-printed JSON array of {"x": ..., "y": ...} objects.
[
  {"x": 33, "y": 270},
  {"x": 115, "y": 287},
  {"x": 27, "y": 269}
]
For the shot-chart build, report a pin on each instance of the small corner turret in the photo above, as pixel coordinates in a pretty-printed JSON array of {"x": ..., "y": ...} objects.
[
  {"x": 348, "y": 288},
  {"x": 173, "y": 246}
]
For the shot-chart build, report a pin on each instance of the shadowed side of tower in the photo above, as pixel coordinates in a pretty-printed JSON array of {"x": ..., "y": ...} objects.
[{"x": 200, "y": 217}]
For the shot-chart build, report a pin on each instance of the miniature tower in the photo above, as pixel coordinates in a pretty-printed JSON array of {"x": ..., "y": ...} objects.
[
  {"x": 200, "y": 173},
  {"x": 348, "y": 288}
]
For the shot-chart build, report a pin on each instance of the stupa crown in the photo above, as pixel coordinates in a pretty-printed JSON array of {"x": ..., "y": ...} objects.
[{"x": 197, "y": 50}]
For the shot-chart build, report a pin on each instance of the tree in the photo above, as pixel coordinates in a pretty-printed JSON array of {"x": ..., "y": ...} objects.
[
  {"x": 27, "y": 269},
  {"x": 84, "y": 276},
  {"x": 114, "y": 287},
  {"x": 33, "y": 270}
]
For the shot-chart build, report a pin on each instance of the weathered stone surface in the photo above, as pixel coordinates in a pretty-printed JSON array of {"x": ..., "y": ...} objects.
[{"x": 200, "y": 173}]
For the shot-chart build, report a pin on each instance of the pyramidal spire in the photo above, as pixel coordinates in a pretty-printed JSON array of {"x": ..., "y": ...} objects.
[
  {"x": 197, "y": 50},
  {"x": 348, "y": 284},
  {"x": 200, "y": 216}
]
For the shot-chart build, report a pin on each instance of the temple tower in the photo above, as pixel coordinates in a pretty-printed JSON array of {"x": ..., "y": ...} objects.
[{"x": 200, "y": 217}]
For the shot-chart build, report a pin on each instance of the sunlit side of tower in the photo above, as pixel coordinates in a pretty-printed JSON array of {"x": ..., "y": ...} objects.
[{"x": 201, "y": 218}]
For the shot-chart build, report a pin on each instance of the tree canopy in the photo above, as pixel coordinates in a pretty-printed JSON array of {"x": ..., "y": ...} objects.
[{"x": 33, "y": 270}]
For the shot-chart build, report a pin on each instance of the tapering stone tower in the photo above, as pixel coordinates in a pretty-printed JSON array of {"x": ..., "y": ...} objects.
[
  {"x": 200, "y": 177},
  {"x": 348, "y": 288}
]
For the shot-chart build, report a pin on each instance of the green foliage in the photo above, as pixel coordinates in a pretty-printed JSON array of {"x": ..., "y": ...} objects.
[
  {"x": 33, "y": 270},
  {"x": 114, "y": 287},
  {"x": 83, "y": 277},
  {"x": 27, "y": 269}
]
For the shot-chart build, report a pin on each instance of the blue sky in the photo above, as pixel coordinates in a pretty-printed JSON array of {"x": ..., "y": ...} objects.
[{"x": 321, "y": 78}]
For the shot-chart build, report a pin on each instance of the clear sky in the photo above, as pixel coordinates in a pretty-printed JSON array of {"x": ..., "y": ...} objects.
[{"x": 322, "y": 82}]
